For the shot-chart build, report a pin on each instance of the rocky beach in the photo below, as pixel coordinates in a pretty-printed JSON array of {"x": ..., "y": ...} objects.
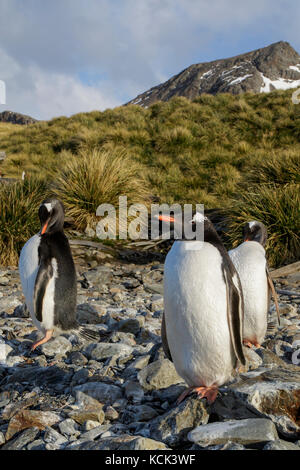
[{"x": 120, "y": 393}]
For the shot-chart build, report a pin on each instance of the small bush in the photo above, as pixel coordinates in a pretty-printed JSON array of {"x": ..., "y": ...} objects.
[
  {"x": 98, "y": 177},
  {"x": 19, "y": 203},
  {"x": 282, "y": 167}
]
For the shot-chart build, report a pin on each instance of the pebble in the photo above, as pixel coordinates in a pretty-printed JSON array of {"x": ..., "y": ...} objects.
[{"x": 158, "y": 374}]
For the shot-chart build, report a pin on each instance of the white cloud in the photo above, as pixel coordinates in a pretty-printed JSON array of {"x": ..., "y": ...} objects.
[
  {"x": 59, "y": 94},
  {"x": 125, "y": 46}
]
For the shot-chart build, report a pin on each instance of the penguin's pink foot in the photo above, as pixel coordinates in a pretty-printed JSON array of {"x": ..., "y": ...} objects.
[
  {"x": 249, "y": 343},
  {"x": 44, "y": 340},
  {"x": 203, "y": 392}
]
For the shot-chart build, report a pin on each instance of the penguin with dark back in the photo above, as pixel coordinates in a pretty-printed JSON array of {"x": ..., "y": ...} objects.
[
  {"x": 202, "y": 324},
  {"x": 48, "y": 277},
  {"x": 249, "y": 259}
]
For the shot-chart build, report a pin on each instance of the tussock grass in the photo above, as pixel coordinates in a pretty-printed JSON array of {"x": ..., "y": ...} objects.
[
  {"x": 18, "y": 216},
  {"x": 212, "y": 150},
  {"x": 281, "y": 167},
  {"x": 99, "y": 177}
]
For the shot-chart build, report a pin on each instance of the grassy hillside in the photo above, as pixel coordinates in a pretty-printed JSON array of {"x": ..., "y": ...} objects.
[{"x": 240, "y": 153}]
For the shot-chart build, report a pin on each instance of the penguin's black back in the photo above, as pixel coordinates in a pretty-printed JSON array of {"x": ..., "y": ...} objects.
[{"x": 56, "y": 245}]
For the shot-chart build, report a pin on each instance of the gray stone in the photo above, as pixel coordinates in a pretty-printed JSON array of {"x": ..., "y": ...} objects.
[
  {"x": 139, "y": 363},
  {"x": 269, "y": 359},
  {"x": 111, "y": 414},
  {"x": 121, "y": 337},
  {"x": 68, "y": 427},
  {"x": 228, "y": 446},
  {"x": 77, "y": 358},
  {"x": 134, "y": 392},
  {"x": 21, "y": 441},
  {"x": 56, "y": 347},
  {"x": 37, "y": 444},
  {"x": 140, "y": 413},
  {"x": 80, "y": 377},
  {"x": 173, "y": 426},
  {"x": 100, "y": 391},
  {"x": 85, "y": 313},
  {"x": 280, "y": 444},
  {"x": 169, "y": 394},
  {"x": 244, "y": 431},
  {"x": 89, "y": 424},
  {"x": 104, "y": 350},
  {"x": 274, "y": 394},
  {"x": 52, "y": 377},
  {"x": 2, "y": 438},
  {"x": 131, "y": 325},
  {"x": 124, "y": 442},
  {"x": 54, "y": 438},
  {"x": 159, "y": 374},
  {"x": 253, "y": 360}
]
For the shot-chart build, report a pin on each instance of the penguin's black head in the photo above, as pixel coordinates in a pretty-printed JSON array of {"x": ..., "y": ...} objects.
[
  {"x": 255, "y": 231},
  {"x": 51, "y": 214},
  {"x": 182, "y": 227}
]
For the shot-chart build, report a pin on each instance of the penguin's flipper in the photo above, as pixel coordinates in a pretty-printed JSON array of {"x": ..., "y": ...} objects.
[
  {"x": 235, "y": 310},
  {"x": 43, "y": 277},
  {"x": 164, "y": 338},
  {"x": 274, "y": 294}
]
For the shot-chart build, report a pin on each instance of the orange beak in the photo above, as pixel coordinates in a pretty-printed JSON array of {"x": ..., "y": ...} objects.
[
  {"x": 247, "y": 240},
  {"x": 45, "y": 227},
  {"x": 166, "y": 218}
]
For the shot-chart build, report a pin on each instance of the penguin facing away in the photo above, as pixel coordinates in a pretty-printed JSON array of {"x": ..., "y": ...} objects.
[
  {"x": 203, "y": 312},
  {"x": 48, "y": 276},
  {"x": 250, "y": 262}
]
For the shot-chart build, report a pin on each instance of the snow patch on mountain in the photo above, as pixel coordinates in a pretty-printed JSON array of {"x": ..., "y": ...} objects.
[{"x": 279, "y": 84}]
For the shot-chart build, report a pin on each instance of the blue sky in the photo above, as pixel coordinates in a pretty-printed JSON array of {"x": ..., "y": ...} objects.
[{"x": 60, "y": 57}]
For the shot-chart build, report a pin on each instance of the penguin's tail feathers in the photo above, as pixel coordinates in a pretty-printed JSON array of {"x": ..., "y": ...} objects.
[{"x": 88, "y": 334}]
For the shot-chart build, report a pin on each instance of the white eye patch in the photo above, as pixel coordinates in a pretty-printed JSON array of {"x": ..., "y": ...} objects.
[
  {"x": 198, "y": 217},
  {"x": 252, "y": 224},
  {"x": 48, "y": 206}
]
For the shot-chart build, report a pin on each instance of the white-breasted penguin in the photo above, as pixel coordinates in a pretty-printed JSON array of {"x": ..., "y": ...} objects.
[
  {"x": 203, "y": 312},
  {"x": 48, "y": 276},
  {"x": 250, "y": 262}
]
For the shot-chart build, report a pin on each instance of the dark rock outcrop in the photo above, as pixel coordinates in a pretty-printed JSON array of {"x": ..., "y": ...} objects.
[{"x": 16, "y": 118}]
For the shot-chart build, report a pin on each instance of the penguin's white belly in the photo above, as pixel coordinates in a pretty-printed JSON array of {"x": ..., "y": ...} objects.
[
  {"x": 196, "y": 315},
  {"x": 28, "y": 268},
  {"x": 250, "y": 262}
]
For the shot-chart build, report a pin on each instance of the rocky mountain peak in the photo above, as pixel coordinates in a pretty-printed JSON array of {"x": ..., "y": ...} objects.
[
  {"x": 16, "y": 118},
  {"x": 276, "y": 66}
]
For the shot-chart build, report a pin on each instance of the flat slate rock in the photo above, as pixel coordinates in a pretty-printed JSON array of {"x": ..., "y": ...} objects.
[
  {"x": 21, "y": 440},
  {"x": 280, "y": 444},
  {"x": 100, "y": 391},
  {"x": 173, "y": 426},
  {"x": 274, "y": 394},
  {"x": 125, "y": 442},
  {"x": 244, "y": 431}
]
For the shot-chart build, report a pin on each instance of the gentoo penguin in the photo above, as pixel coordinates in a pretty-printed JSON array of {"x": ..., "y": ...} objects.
[
  {"x": 203, "y": 312},
  {"x": 48, "y": 276},
  {"x": 249, "y": 259}
]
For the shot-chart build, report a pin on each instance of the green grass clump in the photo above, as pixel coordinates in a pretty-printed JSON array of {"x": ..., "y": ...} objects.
[
  {"x": 18, "y": 216},
  {"x": 278, "y": 208},
  {"x": 97, "y": 177}
]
